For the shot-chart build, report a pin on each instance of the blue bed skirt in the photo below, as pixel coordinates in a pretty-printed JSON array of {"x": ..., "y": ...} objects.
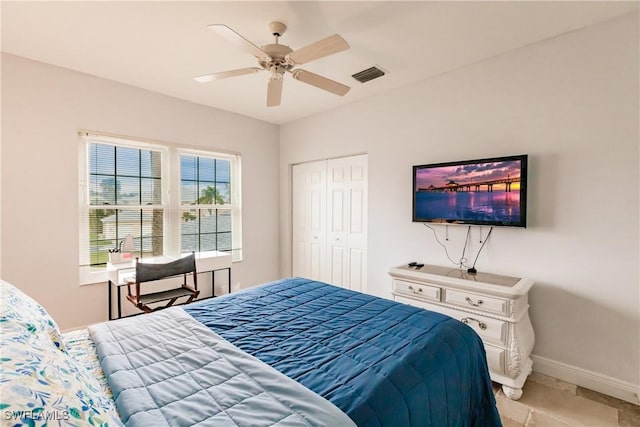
[{"x": 382, "y": 363}]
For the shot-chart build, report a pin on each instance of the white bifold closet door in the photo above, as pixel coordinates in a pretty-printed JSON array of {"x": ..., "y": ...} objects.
[{"x": 330, "y": 221}]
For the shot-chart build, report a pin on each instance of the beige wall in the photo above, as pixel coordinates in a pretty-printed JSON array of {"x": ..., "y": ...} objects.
[
  {"x": 571, "y": 103},
  {"x": 43, "y": 107}
]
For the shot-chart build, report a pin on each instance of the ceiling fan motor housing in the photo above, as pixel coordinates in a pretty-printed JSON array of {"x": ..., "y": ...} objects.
[{"x": 277, "y": 54}]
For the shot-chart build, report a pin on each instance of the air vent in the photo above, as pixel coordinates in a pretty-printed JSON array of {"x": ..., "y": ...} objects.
[{"x": 368, "y": 74}]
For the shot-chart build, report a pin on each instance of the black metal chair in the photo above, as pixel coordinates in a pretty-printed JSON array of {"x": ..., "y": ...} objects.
[{"x": 152, "y": 272}]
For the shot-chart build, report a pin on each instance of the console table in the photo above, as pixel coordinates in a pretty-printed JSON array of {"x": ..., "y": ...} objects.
[
  {"x": 495, "y": 306},
  {"x": 118, "y": 274}
]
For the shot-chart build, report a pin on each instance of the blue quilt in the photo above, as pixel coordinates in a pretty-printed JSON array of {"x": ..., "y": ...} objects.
[
  {"x": 169, "y": 370},
  {"x": 383, "y": 363}
]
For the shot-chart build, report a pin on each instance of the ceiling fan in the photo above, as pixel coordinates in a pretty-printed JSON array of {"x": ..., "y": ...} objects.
[{"x": 279, "y": 59}]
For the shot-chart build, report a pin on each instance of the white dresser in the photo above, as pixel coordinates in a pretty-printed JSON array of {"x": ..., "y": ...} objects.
[{"x": 495, "y": 306}]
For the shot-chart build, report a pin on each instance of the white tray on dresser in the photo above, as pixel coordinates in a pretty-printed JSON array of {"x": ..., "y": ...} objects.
[{"x": 495, "y": 306}]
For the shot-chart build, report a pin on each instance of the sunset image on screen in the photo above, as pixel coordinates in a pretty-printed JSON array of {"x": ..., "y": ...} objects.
[
  {"x": 475, "y": 192},
  {"x": 495, "y": 176}
]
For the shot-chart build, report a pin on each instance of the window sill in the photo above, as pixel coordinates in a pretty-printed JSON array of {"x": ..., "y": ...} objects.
[{"x": 95, "y": 275}]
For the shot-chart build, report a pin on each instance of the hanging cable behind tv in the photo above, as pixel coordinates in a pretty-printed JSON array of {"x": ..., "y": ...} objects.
[
  {"x": 461, "y": 262},
  {"x": 473, "y": 270}
]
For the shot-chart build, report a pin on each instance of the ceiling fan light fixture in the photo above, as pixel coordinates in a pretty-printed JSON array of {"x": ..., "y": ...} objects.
[{"x": 277, "y": 72}]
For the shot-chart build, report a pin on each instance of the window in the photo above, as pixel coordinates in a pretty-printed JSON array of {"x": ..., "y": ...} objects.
[
  {"x": 205, "y": 197},
  {"x": 126, "y": 189},
  {"x": 125, "y": 197}
]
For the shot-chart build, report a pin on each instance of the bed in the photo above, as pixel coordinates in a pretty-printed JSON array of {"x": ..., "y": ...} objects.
[{"x": 289, "y": 352}]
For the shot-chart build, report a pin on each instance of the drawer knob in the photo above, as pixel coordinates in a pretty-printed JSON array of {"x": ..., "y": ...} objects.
[
  {"x": 466, "y": 321},
  {"x": 475, "y": 304},
  {"x": 412, "y": 289}
]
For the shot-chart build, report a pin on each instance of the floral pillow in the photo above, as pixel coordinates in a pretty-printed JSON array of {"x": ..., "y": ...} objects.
[
  {"x": 39, "y": 384},
  {"x": 18, "y": 307}
]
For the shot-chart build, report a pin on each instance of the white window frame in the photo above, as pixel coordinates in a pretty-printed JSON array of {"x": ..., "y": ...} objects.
[
  {"x": 170, "y": 173},
  {"x": 236, "y": 199}
]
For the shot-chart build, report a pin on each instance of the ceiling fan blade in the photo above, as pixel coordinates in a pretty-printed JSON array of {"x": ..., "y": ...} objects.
[
  {"x": 226, "y": 74},
  {"x": 320, "y": 82},
  {"x": 238, "y": 40},
  {"x": 274, "y": 91},
  {"x": 320, "y": 49}
]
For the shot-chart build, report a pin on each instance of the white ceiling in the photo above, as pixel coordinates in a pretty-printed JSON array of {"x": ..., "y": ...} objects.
[{"x": 160, "y": 46}]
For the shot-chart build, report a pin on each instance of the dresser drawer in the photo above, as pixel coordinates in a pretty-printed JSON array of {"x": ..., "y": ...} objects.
[
  {"x": 493, "y": 331},
  {"x": 417, "y": 290},
  {"x": 495, "y": 358},
  {"x": 477, "y": 302},
  {"x": 495, "y": 355}
]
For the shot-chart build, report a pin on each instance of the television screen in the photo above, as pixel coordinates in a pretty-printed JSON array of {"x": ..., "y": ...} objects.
[{"x": 482, "y": 192}]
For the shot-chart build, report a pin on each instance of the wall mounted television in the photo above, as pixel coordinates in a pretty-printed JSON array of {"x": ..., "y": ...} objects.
[{"x": 477, "y": 192}]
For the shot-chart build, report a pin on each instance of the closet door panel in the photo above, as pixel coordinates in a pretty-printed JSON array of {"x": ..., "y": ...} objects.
[
  {"x": 347, "y": 222},
  {"x": 330, "y": 221},
  {"x": 309, "y": 220},
  {"x": 337, "y": 221}
]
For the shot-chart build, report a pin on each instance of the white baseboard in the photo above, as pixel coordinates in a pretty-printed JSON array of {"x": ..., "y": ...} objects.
[{"x": 587, "y": 379}]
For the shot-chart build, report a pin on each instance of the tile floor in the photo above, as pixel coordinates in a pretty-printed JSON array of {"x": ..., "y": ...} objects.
[{"x": 548, "y": 402}]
